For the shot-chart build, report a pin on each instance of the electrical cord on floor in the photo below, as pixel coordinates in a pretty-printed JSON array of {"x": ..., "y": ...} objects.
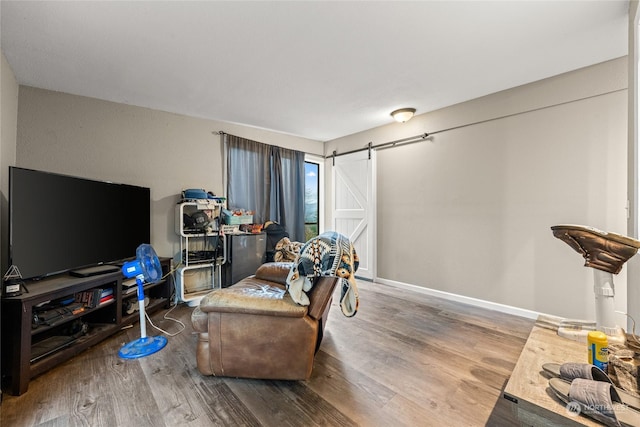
[{"x": 166, "y": 315}]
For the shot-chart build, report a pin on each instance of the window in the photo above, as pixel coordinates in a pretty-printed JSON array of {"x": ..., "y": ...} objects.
[{"x": 311, "y": 199}]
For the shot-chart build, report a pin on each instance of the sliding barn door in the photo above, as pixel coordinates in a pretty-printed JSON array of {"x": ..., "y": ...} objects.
[{"x": 354, "y": 206}]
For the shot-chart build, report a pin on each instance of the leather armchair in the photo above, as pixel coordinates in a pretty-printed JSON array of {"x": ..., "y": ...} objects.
[{"x": 253, "y": 329}]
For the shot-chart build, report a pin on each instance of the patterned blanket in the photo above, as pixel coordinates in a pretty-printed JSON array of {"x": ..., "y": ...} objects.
[
  {"x": 329, "y": 254},
  {"x": 286, "y": 250}
]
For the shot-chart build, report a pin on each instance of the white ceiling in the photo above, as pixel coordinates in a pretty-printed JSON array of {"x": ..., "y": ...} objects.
[{"x": 319, "y": 70}]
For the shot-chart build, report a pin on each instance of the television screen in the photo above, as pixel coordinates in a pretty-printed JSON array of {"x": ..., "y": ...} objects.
[{"x": 59, "y": 223}]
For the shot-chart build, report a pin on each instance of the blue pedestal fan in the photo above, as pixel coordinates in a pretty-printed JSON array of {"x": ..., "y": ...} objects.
[{"x": 145, "y": 268}]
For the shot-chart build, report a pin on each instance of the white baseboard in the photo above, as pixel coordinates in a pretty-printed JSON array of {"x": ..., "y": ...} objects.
[{"x": 529, "y": 314}]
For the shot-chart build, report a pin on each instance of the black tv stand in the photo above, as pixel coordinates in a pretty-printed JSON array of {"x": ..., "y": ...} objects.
[
  {"x": 94, "y": 271},
  {"x": 31, "y": 347}
]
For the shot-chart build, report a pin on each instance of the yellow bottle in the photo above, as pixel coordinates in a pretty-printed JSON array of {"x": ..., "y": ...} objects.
[{"x": 598, "y": 351}]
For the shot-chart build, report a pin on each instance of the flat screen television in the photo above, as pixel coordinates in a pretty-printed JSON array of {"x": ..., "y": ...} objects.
[{"x": 60, "y": 223}]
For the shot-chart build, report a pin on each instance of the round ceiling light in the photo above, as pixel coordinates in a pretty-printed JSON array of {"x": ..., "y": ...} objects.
[{"x": 403, "y": 114}]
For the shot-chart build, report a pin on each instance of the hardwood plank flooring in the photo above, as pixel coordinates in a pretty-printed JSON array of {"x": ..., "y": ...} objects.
[{"x": 405, "y": 359}]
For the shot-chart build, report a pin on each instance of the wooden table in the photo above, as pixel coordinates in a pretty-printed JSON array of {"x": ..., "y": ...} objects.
[{"x": 533, "y": 402}]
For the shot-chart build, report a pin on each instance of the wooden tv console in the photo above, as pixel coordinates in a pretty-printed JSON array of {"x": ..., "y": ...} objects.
[{"x": 32, "y": 346}]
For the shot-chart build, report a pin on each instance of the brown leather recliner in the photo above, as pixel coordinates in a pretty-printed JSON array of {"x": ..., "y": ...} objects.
[{"x": 253, "y": 329}]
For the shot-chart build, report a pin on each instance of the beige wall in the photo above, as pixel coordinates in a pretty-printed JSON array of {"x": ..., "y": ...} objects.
[
  {"x": 468, "y": 211},
  {"x": 8, "y": 125},
  {"x": 102, "y": 140}
]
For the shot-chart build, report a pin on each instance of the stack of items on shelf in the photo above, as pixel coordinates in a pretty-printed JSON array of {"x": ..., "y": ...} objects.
[
  {"x": 203, "y": 215},
  {"x": 52, "y": 313},
  {"x": 130, "y": 292},
  {"x": 129, "y": 286},
  {"x": 238, "y": 220},
  {"x": 197, "y": 195},
  {"x": 54, "y": 316},
  {"x": 94, "y": 297}
]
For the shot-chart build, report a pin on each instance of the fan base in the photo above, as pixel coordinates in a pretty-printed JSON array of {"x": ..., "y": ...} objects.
[{"x": 142, "y": 347}]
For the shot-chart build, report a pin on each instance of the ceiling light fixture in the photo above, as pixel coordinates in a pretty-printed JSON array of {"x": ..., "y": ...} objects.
[{"x": 403, "y": 114}]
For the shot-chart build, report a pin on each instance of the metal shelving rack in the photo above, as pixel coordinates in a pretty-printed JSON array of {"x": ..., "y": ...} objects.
[{"x": 203, "y": 263}]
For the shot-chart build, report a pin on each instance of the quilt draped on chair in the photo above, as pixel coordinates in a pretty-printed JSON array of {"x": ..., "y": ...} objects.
[{"x": 329, "y": 254}]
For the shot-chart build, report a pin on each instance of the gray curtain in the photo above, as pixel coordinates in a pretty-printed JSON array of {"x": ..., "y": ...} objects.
[{"x": 268, "y": 180}]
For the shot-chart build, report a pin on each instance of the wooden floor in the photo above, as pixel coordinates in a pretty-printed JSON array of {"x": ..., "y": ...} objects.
[{"x": 405, "y": 359}]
